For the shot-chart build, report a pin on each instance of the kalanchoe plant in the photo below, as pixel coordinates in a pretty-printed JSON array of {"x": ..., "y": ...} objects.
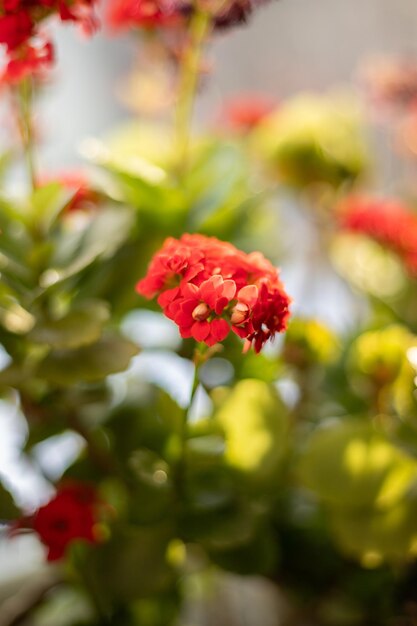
[{"x": 286, "y": 455}]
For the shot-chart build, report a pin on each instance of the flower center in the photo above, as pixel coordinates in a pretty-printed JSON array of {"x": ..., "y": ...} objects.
[{"x": 201, "y": 312}]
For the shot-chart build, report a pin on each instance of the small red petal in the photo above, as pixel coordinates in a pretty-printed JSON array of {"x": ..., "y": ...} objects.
[
  {"x": 200, "y": 331},
  {"x": 219, "y": 329},
  {"x": 248, "y": 295},
  {"x": 229, "y": 289}
]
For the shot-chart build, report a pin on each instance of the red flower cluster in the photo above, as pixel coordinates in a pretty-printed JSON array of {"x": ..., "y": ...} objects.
[
  {"x": 387, "y": 221},
  {"x": 151, "y": 14},
  {"x": 33, "y": 62},
  {"x": 70, "y": 515},
  {"x": 122, "y": 14},
  {"x": 19, "y": 32},
  {"x": 209, "y": 288}
]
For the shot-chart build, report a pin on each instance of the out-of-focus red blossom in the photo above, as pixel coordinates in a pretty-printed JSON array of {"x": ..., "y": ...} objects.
[
  {"x": 233, "y": 13},
  {"x": 84, "y": 196},
  {"x": 151, "y": 14},
  {"x": 391, "y": 81},
  {"x": 209, "y": 288},
  {"x": 19, "y": 28},
  {"x": 30, "y": 61},
  {"x": 244, "y": 113},
  {"x": 389, "y": 222},
  {"x": 148, "y": 14},
  {"x": 406, "y": 132},
  {"x": 70, "y": 515}
]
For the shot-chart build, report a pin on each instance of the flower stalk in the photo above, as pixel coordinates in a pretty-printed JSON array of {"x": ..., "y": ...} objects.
[
  {"x": 25, "y": 98},
  {"x": 188, "y": 81}
]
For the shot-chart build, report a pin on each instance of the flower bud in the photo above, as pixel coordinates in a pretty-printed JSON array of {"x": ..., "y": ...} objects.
[
  {"x": 201, "y": 312},
  {"x": 239, "y": 314}
]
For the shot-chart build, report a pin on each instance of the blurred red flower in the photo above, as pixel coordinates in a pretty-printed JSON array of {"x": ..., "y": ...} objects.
[
  {"x": 70, "y": 515},
  {"x": 29, "y": 61},
  {"x": 389, "y": 222},
  {"x": 19, "y": 29},
  {"x": 243, "y": 113}
]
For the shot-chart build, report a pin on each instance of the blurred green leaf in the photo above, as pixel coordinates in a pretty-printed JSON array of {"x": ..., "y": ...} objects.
[
  {"x": 256, "y": 557},
  {"x": 8, "y": 508},
  {"x": 81, "y": 326},
  {"x": 374, "y": 535},
  {"x": 109, "y": 355},
  {"x": 131, "y": 565},
  {"x": 46, "y": 202},
  {"x": 255, "y": 422},
  {"x": 351, "y": 464}
]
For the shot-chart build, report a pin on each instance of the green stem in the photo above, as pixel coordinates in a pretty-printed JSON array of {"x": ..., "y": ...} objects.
[
  {"x": 26, "y": 129},
  {"x": 189, "y": 73},
  {"x": 181, "y": 468}
]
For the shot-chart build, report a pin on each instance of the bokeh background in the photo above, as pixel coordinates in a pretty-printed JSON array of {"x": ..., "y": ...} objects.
[{"x": 290, "y": 45}]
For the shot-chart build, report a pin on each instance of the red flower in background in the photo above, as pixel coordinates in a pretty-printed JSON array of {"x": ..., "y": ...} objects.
[
  {"x": 19, "y": 32},
  {"x": 243, "y": 113},
  {"x": 167, "y": 13},
  {"x": 209, "y": 288},
  {"x": 84, "y": 197},
  {"x": 390, "y": 81},
  {"x": 30, "y": 61},
  {"x": 122, "y": 14},
  {"x": 70, "y": 515},
  {"x": 389, "y": 222}
]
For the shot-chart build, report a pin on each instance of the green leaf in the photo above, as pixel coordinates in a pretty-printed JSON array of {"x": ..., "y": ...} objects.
[
  {"x": 109, "y": 355},
  {"x": 351, "y": 464},
  {"x": 375, "y": 535},
  {"x": 255, "y": 422},
  {"x": 257, "y": 556},
  {"x": 131, "y": 565},
  {"x": 46, "y": 203},
  {"x": 83, "y": 325},
  {"x": 8, "y": 508}
]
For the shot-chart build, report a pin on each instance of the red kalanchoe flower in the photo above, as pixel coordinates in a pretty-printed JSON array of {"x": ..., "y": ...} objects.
[
  {"x": 20, "y": 21},
  {"x": 15, "y": 28},
  {"x": 70, "y": 515},
  {"x": 389, "y": 222},
  {"x": 148, "y": 14},
  {"x": 84, "y": 198},
  {"x": 390, "y": 81},
  {"x": 151, "y": 14},
  {"x": 209, "y": 288},
  {"x": 29, "y": 61},
  {"x": 244, "y": 113},
  {"x": 199, "y": 309}
]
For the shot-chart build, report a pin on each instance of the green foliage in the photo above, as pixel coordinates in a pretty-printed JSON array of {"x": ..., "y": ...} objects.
[
  {"x": 8, "y": 508},
  {"x": 90, "y": 363}
]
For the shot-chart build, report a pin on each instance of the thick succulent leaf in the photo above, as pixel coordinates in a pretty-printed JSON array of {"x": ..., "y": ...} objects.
[
  {"x": 351, "y": 464},
  {"x": 255, "y": 423},
  {"x": 109, "y": 355},
  {"x": 81, "y": 326},
  {"x": 377, "y": 535}
]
